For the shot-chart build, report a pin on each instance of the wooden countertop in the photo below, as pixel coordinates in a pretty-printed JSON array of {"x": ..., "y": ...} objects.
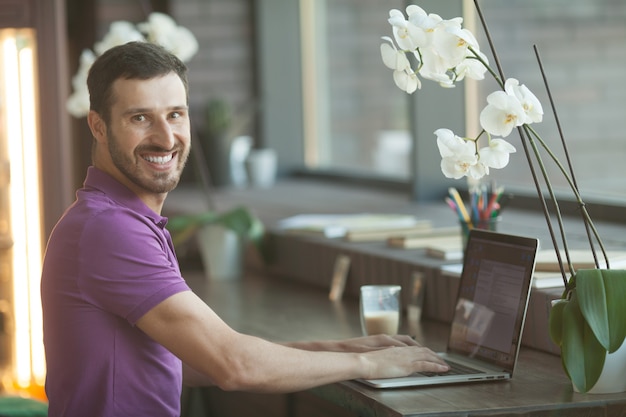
[{"x": 283, "y": 310}]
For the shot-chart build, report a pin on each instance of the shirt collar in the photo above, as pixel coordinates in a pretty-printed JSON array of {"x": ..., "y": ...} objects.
[{"x": 118, "y": 192}]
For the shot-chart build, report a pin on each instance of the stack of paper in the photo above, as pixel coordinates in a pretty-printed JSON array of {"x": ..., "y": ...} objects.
[
  {"x": 447, "y": 248},
  {"x": 581, "y": 258},
  {"x": 548, "y": 272},
  {"x": 433, "y": 236},
  {"x": 354, "y": 227}
]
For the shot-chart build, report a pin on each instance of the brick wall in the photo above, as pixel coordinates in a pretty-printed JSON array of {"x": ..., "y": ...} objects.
[{"x": 224, "y": 65}]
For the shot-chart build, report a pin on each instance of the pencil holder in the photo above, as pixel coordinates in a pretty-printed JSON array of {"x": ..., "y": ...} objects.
[{"x": 485, "y": 224}]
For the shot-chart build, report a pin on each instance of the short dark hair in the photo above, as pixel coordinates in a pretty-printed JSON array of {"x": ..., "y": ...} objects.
[{"x": 133, "y": 60}]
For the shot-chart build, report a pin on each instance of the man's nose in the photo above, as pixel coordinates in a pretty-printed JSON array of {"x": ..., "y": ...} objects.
[{"x": 163, "y": 134}]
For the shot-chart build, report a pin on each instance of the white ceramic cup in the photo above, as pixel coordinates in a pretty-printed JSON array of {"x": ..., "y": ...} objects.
[{"x": 380, "y": 309}]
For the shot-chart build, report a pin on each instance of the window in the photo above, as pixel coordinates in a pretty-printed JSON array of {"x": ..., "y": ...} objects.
[{"x": 354, "y": 120}]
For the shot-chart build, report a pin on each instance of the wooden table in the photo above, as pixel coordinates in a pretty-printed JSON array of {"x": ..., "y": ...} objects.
[{"x": 282, "y": 310}]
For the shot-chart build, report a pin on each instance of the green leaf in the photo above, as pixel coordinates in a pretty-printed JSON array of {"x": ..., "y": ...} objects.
[
  {"x": 602, "y": 294},
  {"x": 556, "y": 321},
  {"x": 582, "y": 355},
  {"x": 240, "y": 220}
]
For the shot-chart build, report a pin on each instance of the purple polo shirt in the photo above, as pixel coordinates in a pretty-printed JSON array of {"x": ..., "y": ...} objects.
[{"x": 109, "y": 260}]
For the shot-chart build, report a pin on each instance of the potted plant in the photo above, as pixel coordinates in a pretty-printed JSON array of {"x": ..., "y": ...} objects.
[
  {"x": 223, "y": 144},
  {"x": 221, "y": 237},
  {"x": 588, "y": 323}
]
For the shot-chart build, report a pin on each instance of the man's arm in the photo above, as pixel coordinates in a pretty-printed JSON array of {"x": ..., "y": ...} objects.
[
  {"x": 186, "y": 326},
  {"x": 356, "y": 344}
]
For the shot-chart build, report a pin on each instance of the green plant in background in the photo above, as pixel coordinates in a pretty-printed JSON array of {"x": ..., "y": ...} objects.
[
  {"x": 220, "y": 126},
  {"x": 240, "y": 220},
  {"x": 211, "y": 156},
  {"x": 217, "y": 117}
]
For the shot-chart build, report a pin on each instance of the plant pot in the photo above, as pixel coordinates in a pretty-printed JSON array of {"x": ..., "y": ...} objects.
[
  {"x": 221, "y": 251},
  {"x": 589, "y": 322},
  {"x": 612, "y": 379},
  {"x": 261, "y": 165},
  {"x": 215, "y": 150}
]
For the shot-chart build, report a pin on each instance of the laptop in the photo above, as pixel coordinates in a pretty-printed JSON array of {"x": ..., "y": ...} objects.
[{"x": 486, "y": 329}]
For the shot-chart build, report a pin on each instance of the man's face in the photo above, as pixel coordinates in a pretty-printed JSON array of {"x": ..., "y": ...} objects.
[{"x": 148, "y": 135}]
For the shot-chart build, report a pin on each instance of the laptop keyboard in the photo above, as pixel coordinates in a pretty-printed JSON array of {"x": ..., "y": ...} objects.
[{"x": 455, "y": 369}]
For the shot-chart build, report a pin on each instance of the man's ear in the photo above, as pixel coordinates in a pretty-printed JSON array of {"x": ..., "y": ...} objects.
[{"x": 97, "y": 126}]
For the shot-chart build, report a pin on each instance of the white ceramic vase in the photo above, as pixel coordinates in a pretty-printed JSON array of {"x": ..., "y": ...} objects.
[
  {"x": 221, "y": 251},
  {"x": 261, "y": 165}
]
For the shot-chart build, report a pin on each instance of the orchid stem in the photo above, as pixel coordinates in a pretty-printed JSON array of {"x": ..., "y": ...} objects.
[
  {"x": 524, "y": 140},
  {"x": 573, "y": 184}
]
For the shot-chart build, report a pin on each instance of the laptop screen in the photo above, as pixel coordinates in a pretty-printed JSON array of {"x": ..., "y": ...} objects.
[{"x": 493, "y": 297}]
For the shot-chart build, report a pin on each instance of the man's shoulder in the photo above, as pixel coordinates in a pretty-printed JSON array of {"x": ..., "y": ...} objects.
[{"x": 99, "y": 219}]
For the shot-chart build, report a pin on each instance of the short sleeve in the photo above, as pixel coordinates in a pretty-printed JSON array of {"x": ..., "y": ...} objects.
[{"x": 126, "y": 264}]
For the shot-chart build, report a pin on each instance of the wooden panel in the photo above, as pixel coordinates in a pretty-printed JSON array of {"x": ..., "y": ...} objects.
[
  {"x": 246, "y": 404},
  {"x": 57, "y": 190},
  {"x": 308, "y": 405},
  {"x": 16, "y": 13}
]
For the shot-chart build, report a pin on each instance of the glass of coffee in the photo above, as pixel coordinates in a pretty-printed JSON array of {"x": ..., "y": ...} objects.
[{"x": 380, "y": 309}]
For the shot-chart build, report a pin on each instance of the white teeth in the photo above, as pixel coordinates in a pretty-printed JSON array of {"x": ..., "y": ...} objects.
[{"x": 158, "y": 159}]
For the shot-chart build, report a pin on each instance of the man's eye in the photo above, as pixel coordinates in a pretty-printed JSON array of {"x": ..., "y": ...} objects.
[
  {"x": 139, "y": 118},
  {"x": 175, "y": 115}
]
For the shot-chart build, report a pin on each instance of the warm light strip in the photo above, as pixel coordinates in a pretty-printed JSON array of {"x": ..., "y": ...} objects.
[
  {"x": 309, "y": 83},
  {"x": 20, "y": 307},
  {"x": 21, "y": 122},
  {"x": 32, "y": 207},
  {"x": 472, "y": 127}
]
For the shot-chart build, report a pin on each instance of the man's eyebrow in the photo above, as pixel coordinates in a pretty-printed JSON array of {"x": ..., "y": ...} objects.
[{"x": 140, "y": 110}]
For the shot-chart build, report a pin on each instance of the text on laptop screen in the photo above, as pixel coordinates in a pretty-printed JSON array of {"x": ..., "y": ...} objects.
[{"x": 493, "y": 296}]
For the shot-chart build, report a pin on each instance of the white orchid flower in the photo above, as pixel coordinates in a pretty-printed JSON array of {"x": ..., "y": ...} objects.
[
  {"x": 403, "y": 76},
  {"x": 408, "y": 36},
  {"x": 426, "y": 22},
  {"x": 158, "y": 29},
  {"x": 119, "y": 33},
  {"x": 530, "y": 103},
  {"x": 496, "y": 155},
  {"x": 392, "y": 57},
  {"x": 478, "y": 170},
  {"x": 413, "y": 11},
  {"x": 162, "y": 30},
  {"x": 184, "y": 44},
  {"x": 472, "y": 68},
  {"x": 451, "y": 41},
  {"x": 407, "y": 81},
  {"x": 503, "y": 113},
  {"x": 78, "y": 103},
  {"x": 434, "y": 68},
  {"x": 458, "y": 155},
  {"x": 87, "y": 58}
]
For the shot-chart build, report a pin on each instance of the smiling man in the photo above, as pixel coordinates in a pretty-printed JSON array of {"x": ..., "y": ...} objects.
[{"x": 122, "y": 330}]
